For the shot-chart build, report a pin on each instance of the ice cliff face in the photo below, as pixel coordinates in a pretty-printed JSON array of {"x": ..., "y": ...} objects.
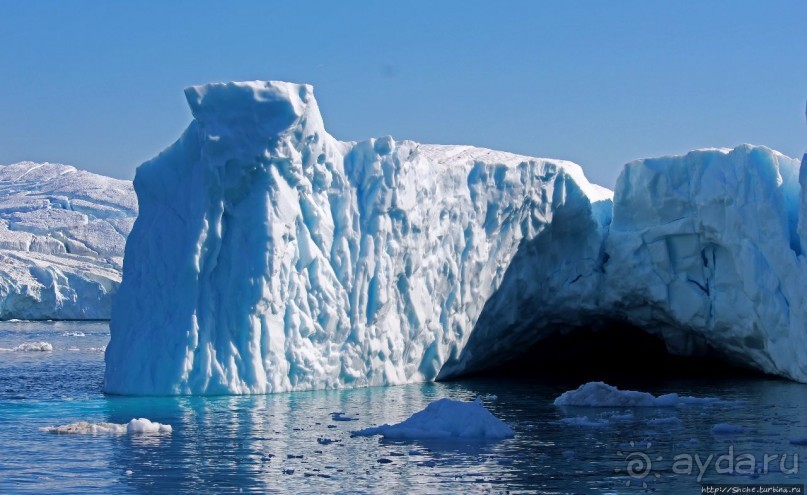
[
  {"x": 705, "y": 250},
  {"x": 62, "y": 234},
  {"x": 268, "y": 256}
]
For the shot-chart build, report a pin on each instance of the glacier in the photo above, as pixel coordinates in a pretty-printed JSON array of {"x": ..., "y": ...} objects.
[
  {"x": 268, "y": 256},
  {"x": 62, "y": 237}
]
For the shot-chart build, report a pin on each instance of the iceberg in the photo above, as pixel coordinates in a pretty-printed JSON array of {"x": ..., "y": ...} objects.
[
  {"x": 62, "y": 236},
  {"x": 268, "y": 256},
  {"x": 706, "y": 251}
]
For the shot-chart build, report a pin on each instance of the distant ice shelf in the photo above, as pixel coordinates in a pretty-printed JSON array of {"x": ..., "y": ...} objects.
[
  {"x": 268, "y": 256},
  {"x": 62, "y": 236}
]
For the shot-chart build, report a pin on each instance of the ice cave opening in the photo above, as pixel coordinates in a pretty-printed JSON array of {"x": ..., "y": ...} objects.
[{"x": 615, "y": 352}]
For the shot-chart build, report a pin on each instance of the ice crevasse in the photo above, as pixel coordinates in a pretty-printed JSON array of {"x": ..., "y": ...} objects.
[{"x": 268, "y": 256}]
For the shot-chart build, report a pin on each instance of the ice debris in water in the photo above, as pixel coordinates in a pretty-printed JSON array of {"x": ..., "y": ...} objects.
[
  {"x": 599, "y": 394},
  {"x": 31, "y": 347},
  {"x": 727, "y": 429},
  {"x": 585, "y": 422},
  {"x": 445, "y": 419},
  {"x": 340, "y": 416},
  {"x": 141, "y": 425}
]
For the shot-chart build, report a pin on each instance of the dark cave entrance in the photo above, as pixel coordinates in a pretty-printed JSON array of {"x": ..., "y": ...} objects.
[{"x": 615, "y": 352}]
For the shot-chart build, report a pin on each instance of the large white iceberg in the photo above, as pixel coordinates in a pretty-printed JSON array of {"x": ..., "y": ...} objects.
[
  {"x": 268, "y": 256},
  {"x": 62, "y": 235}
]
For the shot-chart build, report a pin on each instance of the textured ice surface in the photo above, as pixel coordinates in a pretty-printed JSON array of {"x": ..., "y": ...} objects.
[
  {"x": 445, "y": 419},
  {"x": 269, "y": 256},
  {"x": 705, "y": 250},
  {"x": 62, "y": 235},
  {"x": 134, "y": 426}
]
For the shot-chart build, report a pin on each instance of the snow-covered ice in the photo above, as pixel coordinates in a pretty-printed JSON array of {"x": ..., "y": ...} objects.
[
  {"x": 445, "y": 419},
  {"x": 62, "y": 235},
  {"x": 268, "y": 256},
  {"x": 135, "y": 426}
]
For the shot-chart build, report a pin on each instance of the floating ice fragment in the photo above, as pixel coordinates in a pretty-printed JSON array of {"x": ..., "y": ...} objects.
[
  {"x": 599, "y": 394},
  {"x": 668, "y": 421},
  {"x": 339, "y": 416},
  {"x": 32, "y": 347},
  {"x": 446, "y": 419},
  {"x": 585, "y": 422},
  {"x": 140, "y": 425},
  {"x": 727, "y": 429}
]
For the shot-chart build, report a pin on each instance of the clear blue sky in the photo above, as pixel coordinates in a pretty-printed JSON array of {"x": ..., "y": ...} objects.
[{"x": 99, "y": 84}]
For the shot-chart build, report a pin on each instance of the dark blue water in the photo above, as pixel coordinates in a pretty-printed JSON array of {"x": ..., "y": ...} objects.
[{"x": 293, "y": 443}]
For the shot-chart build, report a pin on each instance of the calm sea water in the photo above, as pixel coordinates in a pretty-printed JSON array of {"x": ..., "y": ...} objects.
[{"x": 293, "y": 443}]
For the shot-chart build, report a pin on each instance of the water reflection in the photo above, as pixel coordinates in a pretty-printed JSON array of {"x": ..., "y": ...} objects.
[{"x": 294, "y": 443}]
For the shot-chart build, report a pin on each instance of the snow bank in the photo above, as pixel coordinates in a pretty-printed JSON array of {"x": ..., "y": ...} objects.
[
  {"x": 445, "y": 419},
  {"x": 599, "y": 394},
  {"x": 134, "y": 426}
]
